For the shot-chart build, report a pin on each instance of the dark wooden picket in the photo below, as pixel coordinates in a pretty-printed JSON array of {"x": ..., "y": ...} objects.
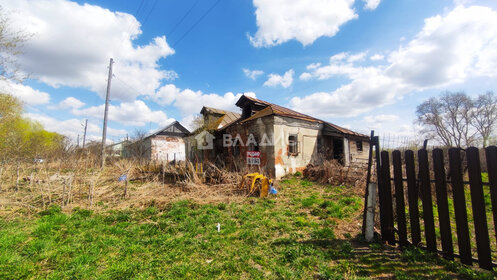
[
  {"x": 399, "y": 198},
  {"x": 387, "y": 196},
  {"x": 442, "y": 203},
  {"x": 478, "y": 206},
  {"x": 412, "y": 196},
  {"x": 491, "y": 155},
  {"x": 423, "y": 184},
  {"x": 460, "y": 206}
]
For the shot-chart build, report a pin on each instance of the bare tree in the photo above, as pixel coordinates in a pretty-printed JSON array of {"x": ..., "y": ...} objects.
[
  {"x": 448, "y": 118},
  {"x": 138, "y": 147},
  {"x": 11, "y": 43},
  {"x": 484, "y": 115}
]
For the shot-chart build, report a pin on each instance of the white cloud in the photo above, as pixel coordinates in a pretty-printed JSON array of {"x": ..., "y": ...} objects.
[
  {"x": 313, "y": 66},
  {"x": 377, "y": 57},
  {"x": 72, "y": 43},
  {"x": 356, "y": 57},
  {"x": 70, "y": 103},
  {"x": 448, "y": 50},
  {"x": 135, "y": 113},
  {"x": 371, "y": 4},
  {"x": 279, "y": 21},
  {"x": 305, "y": 76},
  {"x": 252, "y": 74},
  {"x": 25, "y": 93},
  {"x": 74, "y": 127},
  {"x": 285, "y": 81},
  {"x": 382, "y": 118},
  {"x": 191, "y": 102}
]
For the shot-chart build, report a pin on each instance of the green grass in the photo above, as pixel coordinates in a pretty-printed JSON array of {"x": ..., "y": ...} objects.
[{"x": 297, "y": 235}]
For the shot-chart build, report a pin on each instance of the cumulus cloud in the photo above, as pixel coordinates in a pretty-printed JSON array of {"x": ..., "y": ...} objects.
[
  {"x": 285, "y": 81},
  {"x": 72, "y": 43},
  {"x": 279, "y": 21},
  {"x": 26, "y": 94},
  {"x": 305, "y": 76},
  {"x": 135, "y": 113},
  {"x": 448, "y": 50},
  {"x": 74, "y": 127},
  {"x": 371, "y": 4},
  {"x": 377, "y": 57},
  {"x": 69, "y": 103},
  {"x": 190, "y": 102},
  {"x": 252, "y": 74}
]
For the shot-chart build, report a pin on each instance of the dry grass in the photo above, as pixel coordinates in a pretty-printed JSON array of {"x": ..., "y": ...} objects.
[
  {"x": 334, "y": 173},
  {"x": 79, "y": 182}
]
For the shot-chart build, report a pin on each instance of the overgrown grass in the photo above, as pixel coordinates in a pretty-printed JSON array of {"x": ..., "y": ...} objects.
[{"x": 306, "y": 232}]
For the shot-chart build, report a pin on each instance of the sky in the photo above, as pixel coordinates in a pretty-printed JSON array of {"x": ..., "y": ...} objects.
[{"x": 363, "y": 64}]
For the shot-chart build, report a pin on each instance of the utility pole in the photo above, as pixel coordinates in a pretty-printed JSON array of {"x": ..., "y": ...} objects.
[
  {"x": 77, "y": 145},
  {"x": 104, "y": 133},
  {"x": 84, "y": 135}
]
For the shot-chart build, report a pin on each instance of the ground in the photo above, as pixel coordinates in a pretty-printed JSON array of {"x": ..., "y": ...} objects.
[{"x": 306, "y": 231}]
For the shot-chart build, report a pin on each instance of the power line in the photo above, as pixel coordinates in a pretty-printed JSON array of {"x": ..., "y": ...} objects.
[
  {"x": 197, "y": 22},
  {"x": 127, "y": 85},
  {"x": 139, "y": 8},
  {"x": 151, "y": 10},
  {"x": 183, "y": 18}
]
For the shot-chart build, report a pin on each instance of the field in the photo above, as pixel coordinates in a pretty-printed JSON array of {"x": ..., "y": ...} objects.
[{"x": 307, "y": 231}]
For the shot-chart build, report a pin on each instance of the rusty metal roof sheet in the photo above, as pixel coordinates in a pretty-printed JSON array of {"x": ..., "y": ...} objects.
[
  {"x": 278, "y": 110},
  {"x": 227, "y": 117}
]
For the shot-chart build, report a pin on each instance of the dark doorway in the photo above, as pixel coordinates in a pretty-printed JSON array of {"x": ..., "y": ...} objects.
[{"x": 338, "y": 149}]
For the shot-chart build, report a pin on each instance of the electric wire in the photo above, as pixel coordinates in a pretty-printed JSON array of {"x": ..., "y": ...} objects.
[
  {"x": 196, "y": 23},
  {"x": 183, "y": 18}
]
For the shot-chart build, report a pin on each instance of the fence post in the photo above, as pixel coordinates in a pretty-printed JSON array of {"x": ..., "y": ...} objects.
[
  {"x": 369, "y": 190},
  {"x": 478, "y": 206},
  {"x": 425, "y": 186},
  {"x": 442, "y": 203},
  {"x": 460, "y": 206},
  {"x": 412, "y": 195},
  {"x": 399, "y": 198}
]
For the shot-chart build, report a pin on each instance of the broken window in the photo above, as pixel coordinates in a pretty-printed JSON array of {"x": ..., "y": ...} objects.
[
  {"x": 359, "y": 146},
  {"x": 247, "y": 112},
  {"x": 293, "y": 144}
]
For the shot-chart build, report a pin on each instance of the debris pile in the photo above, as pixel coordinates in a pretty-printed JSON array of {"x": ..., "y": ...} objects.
[{"x": 332, "y": 172}]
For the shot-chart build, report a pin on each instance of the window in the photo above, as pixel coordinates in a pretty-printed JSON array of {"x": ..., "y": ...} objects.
[
  {"x": 359, "y": 146},
  {"x": 293, "y": 144},
  {"x": 246, "y": 112}
]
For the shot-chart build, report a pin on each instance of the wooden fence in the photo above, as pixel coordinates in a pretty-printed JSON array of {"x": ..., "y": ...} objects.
[{"x": 448, "y": 186}]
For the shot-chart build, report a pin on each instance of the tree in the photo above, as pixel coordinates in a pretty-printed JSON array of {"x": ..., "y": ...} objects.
[
  {"x": 448, "y": 118},
  {"x": 484, "y": 115},
  {"x": 11, "y": 42},
  {"x": 22, "y": 138}
]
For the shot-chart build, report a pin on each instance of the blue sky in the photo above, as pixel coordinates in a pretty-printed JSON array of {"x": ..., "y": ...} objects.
[{"x": 360, "y": 64}]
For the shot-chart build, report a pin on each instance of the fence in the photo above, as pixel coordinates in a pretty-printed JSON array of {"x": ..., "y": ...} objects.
[{"x": 451, "y": 192}]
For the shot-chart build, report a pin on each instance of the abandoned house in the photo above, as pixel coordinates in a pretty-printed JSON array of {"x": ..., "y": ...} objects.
[
  {"x": 166, "y": 144},
  {"x": 273, "y": 139}
]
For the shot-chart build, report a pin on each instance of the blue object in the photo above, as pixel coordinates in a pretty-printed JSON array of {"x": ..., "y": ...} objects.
[
  {"x": 272, "y": 190},
  {"x": 122, "y": 178}
]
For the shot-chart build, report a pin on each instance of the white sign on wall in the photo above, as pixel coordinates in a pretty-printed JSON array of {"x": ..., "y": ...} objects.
[{"x": 253, "y": 158}]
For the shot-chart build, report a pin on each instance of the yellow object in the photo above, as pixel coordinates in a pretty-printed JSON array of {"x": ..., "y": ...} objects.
[{"x": 258, "y": 184}]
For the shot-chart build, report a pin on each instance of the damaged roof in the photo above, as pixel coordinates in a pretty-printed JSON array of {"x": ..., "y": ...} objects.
[
  {"x": 227, "y": 117},
  {"x": 273, "y": 109}
]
